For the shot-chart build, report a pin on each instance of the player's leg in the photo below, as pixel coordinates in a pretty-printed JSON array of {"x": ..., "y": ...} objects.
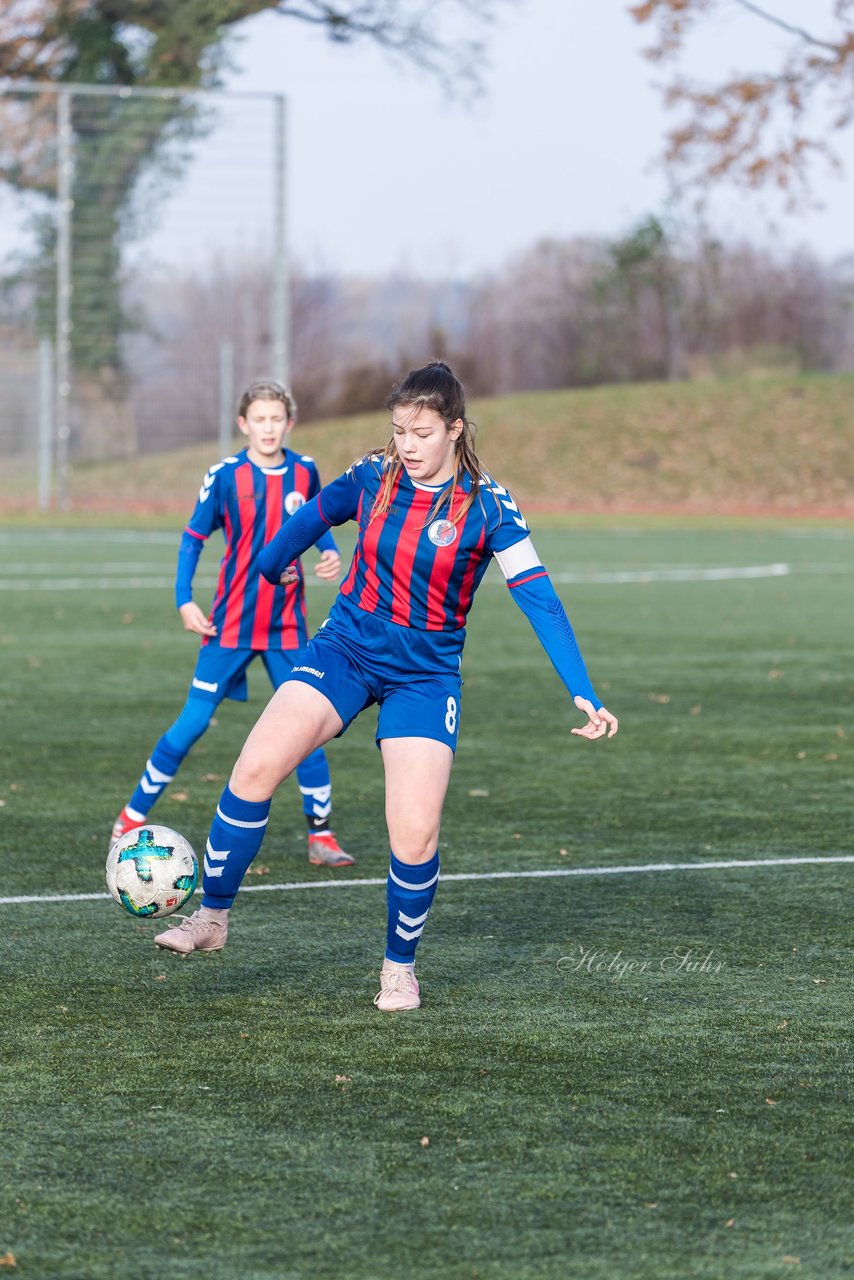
[
  {"x": 219, "y": 673},
  {"x": 163, "y": 763},
  {"x": 417, "y": 773},
  {"x": 314, "y": 782},
  {"x": 297, "y": 720}
]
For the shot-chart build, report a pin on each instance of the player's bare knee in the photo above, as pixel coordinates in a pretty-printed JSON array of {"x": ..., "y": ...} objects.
[
  {"x": 252, "y": 778},
  {"x": 414, "y": 849}
]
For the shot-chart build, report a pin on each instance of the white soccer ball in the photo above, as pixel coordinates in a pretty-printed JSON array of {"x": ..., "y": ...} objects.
[{"x": 152, "y": 871}]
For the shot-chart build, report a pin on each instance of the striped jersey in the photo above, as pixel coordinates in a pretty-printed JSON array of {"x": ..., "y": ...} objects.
[
  {"x": 250, "y": 504},
  {"x": 413, "y": 566}
]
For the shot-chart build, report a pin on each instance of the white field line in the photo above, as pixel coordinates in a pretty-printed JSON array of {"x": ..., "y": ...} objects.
[
  {"x": 711, "y": 574},
  {"x": 551, "y": 874},
  {"x": 677, "y": 575},
  {"x": 35, "y": 537}
]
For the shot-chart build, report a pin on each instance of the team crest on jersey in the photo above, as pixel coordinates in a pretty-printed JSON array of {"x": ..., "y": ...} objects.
[
  {"x": 293, "y": 502},
  {"x": 442, "y": 533}
]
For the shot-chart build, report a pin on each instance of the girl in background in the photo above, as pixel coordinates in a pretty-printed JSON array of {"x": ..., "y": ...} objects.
[{"x": 250, "y": 496}]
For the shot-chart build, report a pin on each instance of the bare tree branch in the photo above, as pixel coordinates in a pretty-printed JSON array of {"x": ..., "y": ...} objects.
[{"x": 761, "y": 128}]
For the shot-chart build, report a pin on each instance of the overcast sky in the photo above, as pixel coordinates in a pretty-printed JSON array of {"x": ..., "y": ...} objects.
[{"x": 386, "y": 173}]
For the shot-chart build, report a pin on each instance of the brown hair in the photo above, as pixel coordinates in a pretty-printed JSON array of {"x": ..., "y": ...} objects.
[
  {"x": 267, "y": 389},
  {"x": 435, "y": 387}
]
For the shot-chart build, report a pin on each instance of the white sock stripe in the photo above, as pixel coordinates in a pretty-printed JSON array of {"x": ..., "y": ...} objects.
[
  {"x": 211, "y": 870},
  {"x": 405, "y": 919},
  {"x": 157, "y": 775},
  {"x": 235, "y": 822},
  {"x": 404, "y": 884},
  {"x": 219, "y": 855},
  {"x": 318, "y": 793},
  {"x": 133, "y": 813},
  {"x": 150, "y": 788},
  {"x": 404, "y": 933}
]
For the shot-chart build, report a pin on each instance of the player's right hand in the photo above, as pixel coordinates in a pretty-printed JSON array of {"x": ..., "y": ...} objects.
[
  {"x": 289, "y": 575},
  {"x": 196, "y": 621},
  {"x": 599, "y": 722}
]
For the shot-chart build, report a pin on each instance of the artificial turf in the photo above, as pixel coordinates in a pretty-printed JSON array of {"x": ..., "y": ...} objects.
[{"x": 631, "y": 1076}]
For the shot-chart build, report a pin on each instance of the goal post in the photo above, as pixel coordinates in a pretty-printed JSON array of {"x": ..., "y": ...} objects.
[{"x": 122, "y": 198}]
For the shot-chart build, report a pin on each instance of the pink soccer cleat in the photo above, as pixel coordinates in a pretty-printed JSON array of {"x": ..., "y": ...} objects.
[
  {"x": 128, "y": 820},
  {"x": 325, "y": 851}
]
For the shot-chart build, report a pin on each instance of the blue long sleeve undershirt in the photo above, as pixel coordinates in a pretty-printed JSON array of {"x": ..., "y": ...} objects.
[
  {"x": 536, "y": 597},
  {"x": 190, "y": 549},
  {"x": 305, "y": 528}
]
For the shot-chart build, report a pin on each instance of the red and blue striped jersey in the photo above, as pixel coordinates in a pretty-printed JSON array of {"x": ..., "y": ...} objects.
[
  {"x": 411, "y": 569},
  {"x": 250, "y": 504},
  {"x": 417, "y": 569}
]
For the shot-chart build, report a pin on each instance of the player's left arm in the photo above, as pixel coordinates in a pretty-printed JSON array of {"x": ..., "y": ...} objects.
[{"x": 533, "y": 592}]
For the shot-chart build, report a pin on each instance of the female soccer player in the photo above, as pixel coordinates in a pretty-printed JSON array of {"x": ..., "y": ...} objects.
[
  {"x": 429, "y": 520},
  {"x": 250, "y": 496}
]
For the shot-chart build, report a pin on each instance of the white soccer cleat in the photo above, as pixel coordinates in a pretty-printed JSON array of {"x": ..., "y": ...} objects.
[
  {"x": 398, "y": 988},
  {"x": 205, "y": 930}
]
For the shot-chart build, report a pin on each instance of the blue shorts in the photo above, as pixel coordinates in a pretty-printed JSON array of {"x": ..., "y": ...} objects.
[
  {"x": 356, "y": 660},
  {"x": 221, "y": 673}
]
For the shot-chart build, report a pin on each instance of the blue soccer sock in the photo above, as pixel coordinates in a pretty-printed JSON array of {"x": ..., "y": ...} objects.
[
  {"x": 160, "y": 769},
  {"x": 236, "y": 835},
  {"x": 410, "y": 889},
  {"x": 167, "y": 756},
  {"x": 316, "y": 788}
]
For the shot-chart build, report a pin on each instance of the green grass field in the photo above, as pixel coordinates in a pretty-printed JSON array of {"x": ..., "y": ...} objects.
[{"x": 578, "y": 1095}]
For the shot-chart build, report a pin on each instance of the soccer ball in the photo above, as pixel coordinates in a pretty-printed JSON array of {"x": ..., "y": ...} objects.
[{"x": 152, "y": 871}]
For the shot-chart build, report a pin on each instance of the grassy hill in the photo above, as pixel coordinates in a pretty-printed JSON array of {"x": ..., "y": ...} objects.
[{"x": 779, "y": 444}]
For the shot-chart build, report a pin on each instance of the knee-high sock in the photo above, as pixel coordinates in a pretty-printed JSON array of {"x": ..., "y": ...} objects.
[
  {"x": 316, "y": 788},
  {"x": 410, "y": 890},
  {"x": 236, "y": 834},
  {"x": 159, "y": 771},
  {"x": 168, "y": 754}
]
